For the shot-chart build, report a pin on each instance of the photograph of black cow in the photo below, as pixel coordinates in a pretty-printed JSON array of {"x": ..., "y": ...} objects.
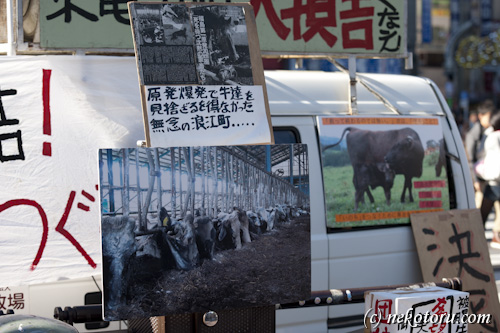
[
  {"x": 191, "y": 229},
  {"x": 372, "y": 168}
]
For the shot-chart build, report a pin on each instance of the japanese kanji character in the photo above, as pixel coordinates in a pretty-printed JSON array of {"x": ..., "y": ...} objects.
[
  {"x": 8, "y": 136},
  {"x": 236, "y": 93},
  {"x": 315, "y": 23},
  {"x": 281, "y": 30},
  {"x": 349, "y": 43},
  {"x": 463, "y": 302},
  {"x": 213, "y": 106},
  {"x": 173, "y": 123},
  {"x": 68, "y": 9},
  {"x": 355, "y": 11},
  {"x": 155, "y": 108},
  {"x": 116, "y": 7},
  {"x": 224, "y": 91},
  {"x": 188, "y": 91},
  {"x": 199, "y": 122},
  {"x": 156, "y": 124},
  {"x": 16, "y": 301},
  {"x": 154, "y": 94},
  {"x": 200, "y": 92},
  {"x": 169, "y": 92},
  {"x": 171, "y": 108},
  {"x": 462, "y": 256}
]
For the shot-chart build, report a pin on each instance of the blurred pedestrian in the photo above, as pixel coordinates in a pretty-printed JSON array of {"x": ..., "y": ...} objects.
[
  {"x": 490, "y": 172},
  {"x": 474, "y": 144}
]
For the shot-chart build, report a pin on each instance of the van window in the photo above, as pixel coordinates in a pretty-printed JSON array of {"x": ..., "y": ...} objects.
[{"x": 284, "y": 135}]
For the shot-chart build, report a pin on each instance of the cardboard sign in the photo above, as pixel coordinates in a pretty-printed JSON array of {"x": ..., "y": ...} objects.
[
  {"x": 190, "y": 115},
  {"x": 208, "y": 46},
  {"x": 407, "y": 310},
  {"x": 379, "y": 170},
  {"x": 192, "y": 229},
  {"x": 452, "y": 244}
]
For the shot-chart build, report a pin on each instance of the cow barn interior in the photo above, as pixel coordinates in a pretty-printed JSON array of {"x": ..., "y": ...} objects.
[{"x": 239, "y": 170}]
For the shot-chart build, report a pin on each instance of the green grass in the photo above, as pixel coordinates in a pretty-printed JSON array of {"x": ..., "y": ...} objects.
[{"x": 339, "y": 196}]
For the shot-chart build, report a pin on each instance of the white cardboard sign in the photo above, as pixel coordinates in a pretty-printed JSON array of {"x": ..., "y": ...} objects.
[
  {"x": 181, "y": 115},
  {"x": 56, "y": 112}
]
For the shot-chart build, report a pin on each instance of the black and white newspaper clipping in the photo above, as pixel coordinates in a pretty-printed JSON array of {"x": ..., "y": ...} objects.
[{"x": 197, "y": 44}]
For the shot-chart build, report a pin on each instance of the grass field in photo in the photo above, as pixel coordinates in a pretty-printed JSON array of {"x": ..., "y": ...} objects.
[{"x": 339, "y": 195}]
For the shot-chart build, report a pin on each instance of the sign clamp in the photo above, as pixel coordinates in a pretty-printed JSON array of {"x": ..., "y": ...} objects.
[{"x": 352, "y": 92}]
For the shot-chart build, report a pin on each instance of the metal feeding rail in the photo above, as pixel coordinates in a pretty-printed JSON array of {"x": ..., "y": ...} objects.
[{"x": 230, "y": 319}]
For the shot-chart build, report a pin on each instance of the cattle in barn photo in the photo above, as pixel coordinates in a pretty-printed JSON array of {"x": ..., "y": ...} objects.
[
  {"x": 237, "y": 220},
  {"x": 401, "y": 149},
  {"x": 224, "y": 238},
  {"x": 203, "y": 244},
  {"x": 264, "y": 216},
  {"x": 255, "y": 225},
  {"x": 118, "y": 248},
  {"x": 181, "y": 240},
  {"x": 205, "y": 236}
]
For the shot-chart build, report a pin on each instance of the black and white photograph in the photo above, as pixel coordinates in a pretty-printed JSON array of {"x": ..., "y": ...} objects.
[
  {"x": 163, "y": 39},
  {"x": 192, "y": 229},
  {"x": 221, "y": 41}
]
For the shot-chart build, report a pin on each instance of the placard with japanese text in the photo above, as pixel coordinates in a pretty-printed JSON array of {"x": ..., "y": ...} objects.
[
  {"x": 364, "y": 27},
  {"x": 215, "y": 49},
  {"x": 452, "y": 244},
  {"x": 379, "y": 170},
  {"x": 188, "y": 115},
  {"x": 55, "y": 116}
]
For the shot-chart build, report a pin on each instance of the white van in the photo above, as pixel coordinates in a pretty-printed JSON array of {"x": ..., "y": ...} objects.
[{"x": 350, "y": 258}]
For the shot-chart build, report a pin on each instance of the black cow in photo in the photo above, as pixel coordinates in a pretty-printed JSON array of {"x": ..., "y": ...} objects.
[
  {"x": 368, "y": 149},
  {"x": 406, "y": 158},
  {"x": 441, "y": 163},
  {"x": 224, "y": 239},
  {"x": 372, "y": 176}
]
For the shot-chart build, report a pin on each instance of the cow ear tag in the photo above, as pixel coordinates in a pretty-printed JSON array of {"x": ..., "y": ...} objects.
[{"x": 165, "y": 221}]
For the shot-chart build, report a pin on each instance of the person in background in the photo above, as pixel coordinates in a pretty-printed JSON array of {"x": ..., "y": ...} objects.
[
  {"x": 490, "y": 172},
  {"x": 474, "y": 142}
]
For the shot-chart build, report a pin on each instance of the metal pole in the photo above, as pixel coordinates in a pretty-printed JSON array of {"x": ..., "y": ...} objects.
[{"x": 11, "y": 44}]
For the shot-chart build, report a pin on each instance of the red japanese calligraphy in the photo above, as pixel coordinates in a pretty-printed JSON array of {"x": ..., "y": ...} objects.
[
  {"x": 65, "y": 233},
  {"x": 281, "y": 30},
  {"x": 315, "y": 23},
  {"x": 46, "y": 148},
  {"x": 45, "y": 224},
  {"x": 60, "y": 226},
  {"x": 366, "y": 25}
]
